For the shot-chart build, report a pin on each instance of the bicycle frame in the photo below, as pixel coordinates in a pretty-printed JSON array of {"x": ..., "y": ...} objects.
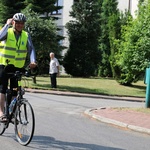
[{"x": 8, "y": 98}]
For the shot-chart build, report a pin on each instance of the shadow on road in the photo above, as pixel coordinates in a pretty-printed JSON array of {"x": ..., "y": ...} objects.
[{"x": 45, "y": 142}]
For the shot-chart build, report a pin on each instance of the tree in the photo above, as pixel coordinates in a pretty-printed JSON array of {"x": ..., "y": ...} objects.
[
  {"x": 109, "y": 29},
  {"x": 9, "y": 8},
  {"x": 83, "y": 55},
  {"x": 117, "y": 21},
  {"x": 46, "y": 29},
  {"x": 40, "y": 29},
  {"x": 134, "y": 52},
  {"x": 45, "y": 7}
]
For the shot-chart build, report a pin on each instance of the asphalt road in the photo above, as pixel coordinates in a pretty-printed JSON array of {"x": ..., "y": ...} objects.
[{"x": 62, "y": 125}]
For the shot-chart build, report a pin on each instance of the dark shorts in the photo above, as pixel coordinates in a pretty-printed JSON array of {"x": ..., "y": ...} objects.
[{"x": 5, "y": 78}]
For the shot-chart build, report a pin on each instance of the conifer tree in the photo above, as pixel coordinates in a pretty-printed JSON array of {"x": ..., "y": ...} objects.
[
  {"x": 82, "y": 56},
  {"x": 8, "y": 8},
  {"x": 45, "y": 7},
  {"x": 109, "y": 18}
]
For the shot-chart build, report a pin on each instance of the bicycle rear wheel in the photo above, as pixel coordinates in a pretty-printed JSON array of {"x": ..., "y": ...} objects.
[{"x": 24, "y": 122}]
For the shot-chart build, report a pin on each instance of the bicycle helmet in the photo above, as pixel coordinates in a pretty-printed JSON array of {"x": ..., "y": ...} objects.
[{"x": 19, "y": 17}]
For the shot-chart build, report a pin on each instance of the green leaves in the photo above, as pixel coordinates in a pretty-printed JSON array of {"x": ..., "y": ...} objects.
[
  {"x": 134, "y": 50},
  {"x": 83, "y": 55},
  {"x": 44, "y": 36}
]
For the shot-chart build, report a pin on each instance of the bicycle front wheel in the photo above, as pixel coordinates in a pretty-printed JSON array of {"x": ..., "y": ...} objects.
[
  {"x": 2, "y": 128},
  {"x": 24, "y": 122}
]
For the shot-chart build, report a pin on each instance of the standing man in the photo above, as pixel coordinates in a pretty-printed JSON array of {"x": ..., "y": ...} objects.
[
  {"x": 14, "y": 46},
  {"x": 53, "y": 70}
]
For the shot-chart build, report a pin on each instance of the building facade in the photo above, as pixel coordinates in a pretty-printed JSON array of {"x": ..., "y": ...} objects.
[{"x": 130, "y": 5}]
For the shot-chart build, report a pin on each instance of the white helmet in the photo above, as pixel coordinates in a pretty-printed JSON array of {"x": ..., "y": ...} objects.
[{"x": 19, "y": 17}]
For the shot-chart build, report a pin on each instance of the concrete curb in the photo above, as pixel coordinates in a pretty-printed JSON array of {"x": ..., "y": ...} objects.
[
  {"x": 66, "y": 93},
  {"x": 117, "y": 123}
]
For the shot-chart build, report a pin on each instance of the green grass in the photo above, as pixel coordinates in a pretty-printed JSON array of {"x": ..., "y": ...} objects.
[{"x": 105, "y": 86}]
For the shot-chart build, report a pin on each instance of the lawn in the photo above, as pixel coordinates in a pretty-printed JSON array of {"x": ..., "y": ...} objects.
[{"x": 106, "y": 86}]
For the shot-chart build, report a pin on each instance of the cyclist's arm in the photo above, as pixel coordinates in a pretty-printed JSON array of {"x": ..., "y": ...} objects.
[
  {"x": 31, "y": 50},
  {"x": 3, "y": 32}
]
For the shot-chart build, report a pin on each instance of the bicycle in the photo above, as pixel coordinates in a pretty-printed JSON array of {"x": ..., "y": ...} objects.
[{"x": 22, "y": 115}]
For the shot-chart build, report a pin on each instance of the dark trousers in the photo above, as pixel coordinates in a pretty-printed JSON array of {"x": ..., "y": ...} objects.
[{"x": 53, "y": 80}]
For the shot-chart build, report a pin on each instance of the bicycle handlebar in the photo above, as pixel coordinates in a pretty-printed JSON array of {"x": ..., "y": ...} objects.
[{"x": 12, "y": 70}]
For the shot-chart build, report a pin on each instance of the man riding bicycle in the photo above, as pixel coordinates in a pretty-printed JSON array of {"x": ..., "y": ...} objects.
[{"x": 14, "y": 46}]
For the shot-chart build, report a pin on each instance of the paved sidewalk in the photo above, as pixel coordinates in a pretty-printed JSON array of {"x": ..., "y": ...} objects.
[{"x": 129, "y": 119}]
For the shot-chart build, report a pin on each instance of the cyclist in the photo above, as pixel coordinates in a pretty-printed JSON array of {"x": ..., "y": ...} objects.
[{"x": 14, "y": 46}]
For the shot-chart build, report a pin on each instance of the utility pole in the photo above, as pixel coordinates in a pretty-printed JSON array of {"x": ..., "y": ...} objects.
[{"x": 147, "y": 81}]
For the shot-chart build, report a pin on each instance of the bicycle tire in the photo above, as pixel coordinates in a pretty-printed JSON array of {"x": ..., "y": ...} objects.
[
  {"x": 24, "y": 122},
  {"x": 2, "y": 128}
]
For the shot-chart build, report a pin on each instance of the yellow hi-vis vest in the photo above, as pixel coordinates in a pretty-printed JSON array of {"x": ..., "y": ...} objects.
[{"x": 12, "y": 50}]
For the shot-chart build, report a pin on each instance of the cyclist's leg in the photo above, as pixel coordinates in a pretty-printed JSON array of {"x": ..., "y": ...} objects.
[
  {"x": 3, "y": 88},
  {"x": 2, "y": 102},
  {"x": 3, "y": 120}
]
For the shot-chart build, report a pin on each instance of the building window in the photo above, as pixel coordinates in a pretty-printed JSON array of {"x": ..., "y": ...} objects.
[{"x": 57, "y": 4}]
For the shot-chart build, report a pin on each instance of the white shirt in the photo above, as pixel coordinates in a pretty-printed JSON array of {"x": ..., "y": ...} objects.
[{"x": 53, "y": 66}]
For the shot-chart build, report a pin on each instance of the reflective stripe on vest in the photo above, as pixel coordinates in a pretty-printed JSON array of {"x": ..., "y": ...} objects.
[{"x": 13, "y": 50}]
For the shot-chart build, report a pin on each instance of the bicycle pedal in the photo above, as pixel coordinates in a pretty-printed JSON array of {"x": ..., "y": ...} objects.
[{"x": 13, "y": 121}]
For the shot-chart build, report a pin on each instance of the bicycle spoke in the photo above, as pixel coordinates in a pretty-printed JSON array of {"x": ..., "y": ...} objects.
[{"x": 24, "y": 125}]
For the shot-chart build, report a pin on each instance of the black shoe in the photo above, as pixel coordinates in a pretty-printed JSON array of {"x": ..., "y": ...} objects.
[{"x": 3, "y": 119}]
